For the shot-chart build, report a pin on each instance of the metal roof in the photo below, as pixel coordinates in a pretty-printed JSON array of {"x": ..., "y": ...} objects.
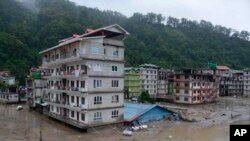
[{"x": 134, "y": 110}]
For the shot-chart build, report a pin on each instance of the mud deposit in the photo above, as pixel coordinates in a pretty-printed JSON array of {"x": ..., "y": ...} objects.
[{"x": 212, "y": 124}]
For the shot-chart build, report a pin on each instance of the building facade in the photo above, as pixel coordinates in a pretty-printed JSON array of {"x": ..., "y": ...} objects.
[
  {"x": 132, "y": 82},
  {"x": 148, "y": 78},
  {"x": 162, "y": 83},
  {"x": 34, "y": 87},
  {"x": 85, "y": 81},
  {"x": 195, "y": 86},
  {"x": 8, "y": 88},
  {"x": 246, "y": 82},
  {"x": 232, "y": 85}
]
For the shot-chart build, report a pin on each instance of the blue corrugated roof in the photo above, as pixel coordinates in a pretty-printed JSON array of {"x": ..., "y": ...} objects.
[{"x": 134, "y": 110}]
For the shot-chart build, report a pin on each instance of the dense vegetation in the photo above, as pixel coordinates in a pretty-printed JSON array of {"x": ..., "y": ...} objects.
[{"x": 28, "y": 27}]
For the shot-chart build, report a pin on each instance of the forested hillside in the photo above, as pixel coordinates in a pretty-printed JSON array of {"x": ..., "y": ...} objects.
[{"x": 27, "y": 28}]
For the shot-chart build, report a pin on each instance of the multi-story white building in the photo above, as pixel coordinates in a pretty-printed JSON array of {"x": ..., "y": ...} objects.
[
  {"x": 162, "y": 83},
  {"x": 246, "y": 82},
  {"x": 85, "y": 83},
  {"x": 148, "y": 78}
]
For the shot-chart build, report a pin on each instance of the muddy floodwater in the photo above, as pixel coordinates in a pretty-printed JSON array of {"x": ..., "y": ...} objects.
[{"x": 26, "y": 125}]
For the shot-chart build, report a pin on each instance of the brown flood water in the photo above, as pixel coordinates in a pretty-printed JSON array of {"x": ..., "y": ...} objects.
[{"x": 25, "y": 125}]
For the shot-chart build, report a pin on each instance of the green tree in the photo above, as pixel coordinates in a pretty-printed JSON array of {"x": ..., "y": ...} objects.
[{"x": 145, "y": 98}]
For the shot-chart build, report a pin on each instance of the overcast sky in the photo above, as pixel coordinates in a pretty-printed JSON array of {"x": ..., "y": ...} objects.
[{"x": 229, "y": 13}]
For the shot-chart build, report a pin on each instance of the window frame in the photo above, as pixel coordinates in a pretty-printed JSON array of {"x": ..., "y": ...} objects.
[
  {"x": 114, "y": 114},
  {"x": 97, "y": 100},
  {"x": 94, "y": 50}
]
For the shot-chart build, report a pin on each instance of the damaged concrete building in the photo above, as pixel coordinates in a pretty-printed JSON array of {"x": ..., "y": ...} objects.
[{"x": 195, "y": 86}]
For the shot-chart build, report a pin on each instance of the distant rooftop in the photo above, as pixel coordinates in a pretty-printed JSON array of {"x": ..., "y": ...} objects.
[
  {"x": 235, "y": 71},
  {"x": 222, "y": 68},
  {"x": 149, "y": 65}
]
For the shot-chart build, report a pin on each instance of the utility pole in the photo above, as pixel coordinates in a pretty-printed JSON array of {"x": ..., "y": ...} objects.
[{"x": 41, "y": 139}]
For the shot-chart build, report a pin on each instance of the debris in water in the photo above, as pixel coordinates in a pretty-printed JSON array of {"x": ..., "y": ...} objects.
[
  {"x": 127, "y": 133},
  {"x": 18, "y": 108}
]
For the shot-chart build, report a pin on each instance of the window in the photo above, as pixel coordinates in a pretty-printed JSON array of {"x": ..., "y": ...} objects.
[
  {"x": 72, "y": 83},
  {"x": 83, "y": 67},
  {"x": 57, "y": 109},
  {"x": 115, "y": 83},
  {"x": 115, "y": 52},
  {"x": 72, "y": 114},
  {"x": 82, "y": 84},
  {"x": 115, "y": 99},
  {"x": 97, "y": 116},
  {"x": 114, "y": 114},
  {"x": 83, "y": 117},
  {"x": 186, "y": 99},
  {"x": 52, "y": 108},
  {"x": 83, "y": 100},
  {"x": 72, "y": 99},
  {"x": 114, "y": 68},
  {"x": 97, "y": 67},
  {"x": 177, "y": 76},
  {"x": 94, "y": 50},
  {"x": 97, "y": 83},
  {"x": 97, "y": 100},
  {"x": 57, "y": 56},
  {"x": 74, "y": 52},
  {"x": 177, "y": 98}
]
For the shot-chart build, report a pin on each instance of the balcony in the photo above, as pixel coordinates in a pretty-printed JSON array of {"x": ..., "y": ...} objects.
[
  {"x": 113, "y": 42},
  {"x": 63, "y": 74},
  {"x": 66, "y": 89},
  {"x": 62, "y": 60}
]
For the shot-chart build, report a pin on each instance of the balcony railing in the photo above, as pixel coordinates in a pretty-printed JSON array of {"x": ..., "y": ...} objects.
[
  {"x": 67, "y": 88},
  {"x": 76, "y": 73}
]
